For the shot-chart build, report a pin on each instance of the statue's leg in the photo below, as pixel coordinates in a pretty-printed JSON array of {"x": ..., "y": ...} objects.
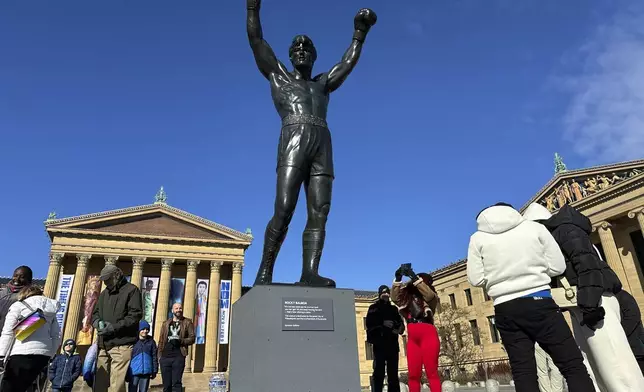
[
  {"x": 289, "y": 182},
  {"x": 318, "y": 201}
]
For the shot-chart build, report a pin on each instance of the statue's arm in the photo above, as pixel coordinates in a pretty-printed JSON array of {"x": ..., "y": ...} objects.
[
  {"x": 264, "y": 55},
  {"x": 341, "y": 70},
  {"x": 363, "y": 22}
]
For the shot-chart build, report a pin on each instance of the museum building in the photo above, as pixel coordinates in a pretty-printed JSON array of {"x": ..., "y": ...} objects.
[{"x": 175, "y": 256}]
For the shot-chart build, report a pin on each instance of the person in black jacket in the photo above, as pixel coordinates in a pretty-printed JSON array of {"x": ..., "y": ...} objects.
[
  {"x": 384, "y": 324},
  {"x": 596, "y": 319},
  {"x": 65, "y": 368},
  {"x": 632, "y": 324},
  {"x": 116, "y": 316}
]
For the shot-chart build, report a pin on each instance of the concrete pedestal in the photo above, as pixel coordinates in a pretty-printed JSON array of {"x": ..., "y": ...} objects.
[{"x": 294, "y": 339}]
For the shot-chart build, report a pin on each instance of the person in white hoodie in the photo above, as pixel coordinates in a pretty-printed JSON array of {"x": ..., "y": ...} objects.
[
  {"x": 597, "y": 318},
  {"x": 514, "y": 260},
  {"x": 28, "y": 357}
]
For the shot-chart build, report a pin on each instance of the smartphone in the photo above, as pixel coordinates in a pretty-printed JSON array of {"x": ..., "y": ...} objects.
[{"x": 405, "y": 265}]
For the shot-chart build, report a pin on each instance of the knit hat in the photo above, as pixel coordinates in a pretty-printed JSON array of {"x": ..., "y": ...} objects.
[
  {"x": 383, "y": 289},
  {"x": 108, "y": 271},
  {"x": 144, "y": 325}
]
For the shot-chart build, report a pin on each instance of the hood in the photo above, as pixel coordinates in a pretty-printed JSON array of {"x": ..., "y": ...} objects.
[
  {"x": 498, "y": 219},
  {"x": 48, "y": 306},
  {"x": 73, "y": 342},
  {"x": 569, "y": 215},
  {"x": 536, "y": 212}
]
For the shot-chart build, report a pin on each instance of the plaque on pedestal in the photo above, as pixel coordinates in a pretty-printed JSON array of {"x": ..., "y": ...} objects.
[{"x": 294, "y": 339}]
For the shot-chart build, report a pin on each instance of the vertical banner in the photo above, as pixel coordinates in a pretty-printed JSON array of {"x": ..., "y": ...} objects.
[
  {"x": 150, "y": 287},
  {"x": 92, "y": 291},
  {"x": 201, "y": 308},
  {"x": 62, "y": 296},
  {"x": 177, "y": 286},
  {"x": 224, "y": 311}
]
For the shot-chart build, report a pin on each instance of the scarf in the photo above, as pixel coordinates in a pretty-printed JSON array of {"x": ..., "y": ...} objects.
[{"x": 15, "y": 288}]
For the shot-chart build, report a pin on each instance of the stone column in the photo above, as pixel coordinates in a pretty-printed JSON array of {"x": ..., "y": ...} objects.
[
  {"x": 236, "y": 284},
  {"x": 212, "y": 319},
  {"x": 76, "y": 299},
  {"x": 611, "y": 252},
  {"x": 639, "y": 213},
  {"x": 51, "y": 283},
  {"x": 161, "y": 314},
  {"x": 137, "y": 271},
  {"x": 189, "y": 302}
]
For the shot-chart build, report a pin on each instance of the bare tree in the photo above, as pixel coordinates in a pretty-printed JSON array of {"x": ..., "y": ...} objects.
[{"x": 458, "y": 339}]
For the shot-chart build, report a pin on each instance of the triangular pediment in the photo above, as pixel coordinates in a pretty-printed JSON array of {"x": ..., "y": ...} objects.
[
  {"x": 155, "y": 220},
  {"x": 576, "y": 186}
]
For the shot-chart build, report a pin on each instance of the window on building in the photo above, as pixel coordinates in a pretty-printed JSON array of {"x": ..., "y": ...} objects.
[
  {"x": 404, "y": 341},
  {"x": 476, "y": 335},
  {"x": 494, "y": 333},
  {"x": 468, "y": 296},
  {"x": 459, "y": 335},
  {"x": 368, "y": 349},
  {"x": 487, "y": 297},
  {"x": 452, "y": 300}
]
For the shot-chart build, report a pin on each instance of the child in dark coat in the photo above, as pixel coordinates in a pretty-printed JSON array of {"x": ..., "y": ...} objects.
[
  {"x": 144, "y": 365},
  {"x": 65, "y": 368}
]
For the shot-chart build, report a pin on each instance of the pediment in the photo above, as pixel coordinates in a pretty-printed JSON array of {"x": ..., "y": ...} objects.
[
  {"x": 156, "y": 220},
  {"x": 575, "y": 186}
]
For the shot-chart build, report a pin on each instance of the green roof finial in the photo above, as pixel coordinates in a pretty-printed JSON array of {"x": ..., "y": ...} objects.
[
  {"x": 560, "y": 166},
  {"x": 160, "y": 197},
  {"x": 52, "y": 216},
  {"x": 249, "y": 231}
]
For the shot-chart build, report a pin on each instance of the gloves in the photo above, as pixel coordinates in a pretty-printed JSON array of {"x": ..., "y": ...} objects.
[
  {"x": 365, "y": 18},
  {"x": 108, "y": 329},
  {"x": 593, "y": 317},
  {"x": 399, "y": 274},
  {"x": 253, "y": 4}
]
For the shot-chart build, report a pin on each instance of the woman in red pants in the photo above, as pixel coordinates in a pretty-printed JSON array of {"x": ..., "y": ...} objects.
[{"x": 417, "y": 301}]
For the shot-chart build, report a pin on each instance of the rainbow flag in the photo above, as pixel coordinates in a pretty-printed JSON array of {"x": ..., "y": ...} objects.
[{"x": 29, "y": 325}]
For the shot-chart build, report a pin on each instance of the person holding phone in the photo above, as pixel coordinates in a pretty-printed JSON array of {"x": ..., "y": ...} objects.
[{"x": 417, "y": 301}]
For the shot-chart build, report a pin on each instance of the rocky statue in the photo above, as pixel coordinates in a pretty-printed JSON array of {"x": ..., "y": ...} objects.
[{"x": 304, "y": 155}]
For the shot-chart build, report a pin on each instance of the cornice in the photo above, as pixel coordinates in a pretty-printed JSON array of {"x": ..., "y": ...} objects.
[
  {"x": 103, "y": 233},
  {"x": 243, "y": 237}
]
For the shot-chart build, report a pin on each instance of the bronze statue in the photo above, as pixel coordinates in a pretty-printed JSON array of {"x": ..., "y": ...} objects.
[{"x": 304, "y": 152}]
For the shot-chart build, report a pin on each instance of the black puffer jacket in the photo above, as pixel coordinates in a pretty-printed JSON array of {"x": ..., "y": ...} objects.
[{"x": 584, "y": 268}]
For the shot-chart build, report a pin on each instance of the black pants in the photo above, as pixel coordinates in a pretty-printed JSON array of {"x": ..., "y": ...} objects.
[
  {"x": 636, "y": 341},
  {"x": 524, "y": 321},
  {"x": 22, "y": 371},
  {"x": 385, "y": 357},
  {"x": 172, "y": 372}
]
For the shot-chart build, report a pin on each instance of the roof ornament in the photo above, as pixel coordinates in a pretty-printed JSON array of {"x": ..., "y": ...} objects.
[
  {"x": 560, "y": 166},
  {"x": 249, "y": 231},
  {"x": 160, "y": 197},
  {"x": 52, "y": 216}
]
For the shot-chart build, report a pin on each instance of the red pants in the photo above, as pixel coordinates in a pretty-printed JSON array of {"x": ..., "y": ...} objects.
[{"x": 423, "y": 347}]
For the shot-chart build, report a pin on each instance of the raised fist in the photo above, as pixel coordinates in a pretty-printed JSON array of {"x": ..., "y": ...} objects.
[
  {"x": 365, "y": 18},
  {"x": 253, "y": 4}
]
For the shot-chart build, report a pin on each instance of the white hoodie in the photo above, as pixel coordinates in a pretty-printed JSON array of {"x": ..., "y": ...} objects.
[
  {"x": 44, "y": 341},
  {"x": 511, "y": 257}
]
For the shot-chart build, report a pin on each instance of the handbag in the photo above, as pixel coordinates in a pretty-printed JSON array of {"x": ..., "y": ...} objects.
[
  {"x": 566, "y": 296},
  {"x": 29, "y": 324}
]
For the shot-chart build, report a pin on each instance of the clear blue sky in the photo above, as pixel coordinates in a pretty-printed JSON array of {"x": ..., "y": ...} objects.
[{"x": 453, "y": 106}]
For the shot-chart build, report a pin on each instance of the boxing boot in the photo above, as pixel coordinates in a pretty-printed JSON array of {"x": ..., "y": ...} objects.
[
  {"x": 273, "y": 240},
  {"x": 312, "y": 244}
]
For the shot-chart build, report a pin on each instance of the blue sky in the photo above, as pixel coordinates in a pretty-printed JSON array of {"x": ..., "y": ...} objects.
[{"x": 453, "y": 106}]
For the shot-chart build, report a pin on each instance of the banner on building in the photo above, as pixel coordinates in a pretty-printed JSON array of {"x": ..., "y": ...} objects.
[
  {"x": 62, "y": 296},
  {"x": 201, "y": 309},
  {"x": 224, "y": 311},
  {"x": 177, "y": 286},
  {"x": 92, "y": 291},
  {"x": 150, "y": 289}
]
